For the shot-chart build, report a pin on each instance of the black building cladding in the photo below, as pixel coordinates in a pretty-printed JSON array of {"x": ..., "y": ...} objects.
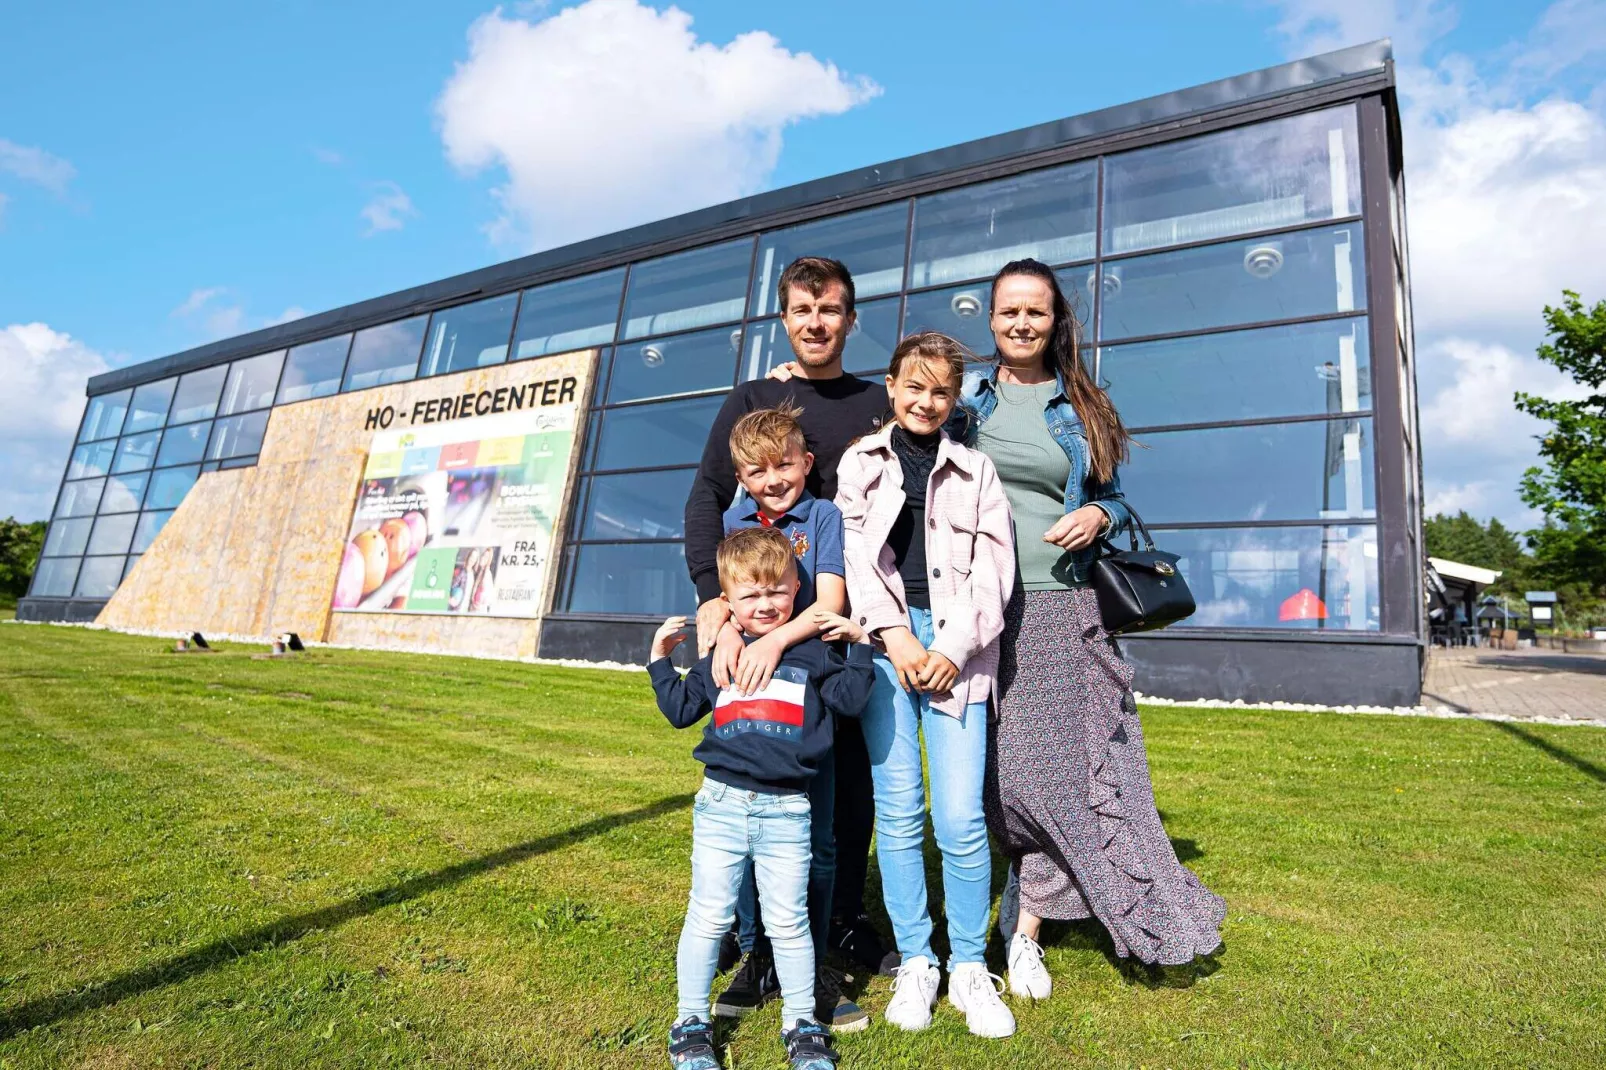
[{"x": 1237, "y": 255}]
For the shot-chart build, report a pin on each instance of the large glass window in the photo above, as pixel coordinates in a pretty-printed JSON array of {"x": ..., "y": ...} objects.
[
  {"x": 251, "y": 383},
  {"x": 238, "y": 436},
  {"x": 1298, "y": 370},
  {"x": 960, "y": 313},
  {"x": 1280, "y": 577},
  {"x": 99, "y": 577},
  {"x": 1307, "y": 273},
  {"x": 970, "y": 233},
  {"x": 648, "y": 436},
  {"x": 91, "y": 459},
  {"x": 649, "y": 579},
  {"x": 148, "y": 411},
  {"x": 79, "y": 499},
  {"x": 1316, "y": 470},
  {"x": 639, "y": 505},
  {"x": 54, "y": 577},
  {"x": 169, "y": 486},
  {"x": 870, "y": 243},
  {"x": 314, "y": 370},
  {"x": 197, "y": 395},
  {"x": 687, "y": 290},
  {"x": 67, "y": 538},
  {"x": 704, "y": 360},
  {"x": 869, "y": 349},
  {"x": 104, "y": 415},
  {"x": 124, "y": 493},
  {"x": 469, "y": 336},
  {"x": 182, "y": 445},
  {"x": 564, "y": 316},
  {"x": 136, "y": 452},
  {"x": 1264, "y": 177},
  {"x": 150, "y": 525},
  {"x": 384, "y": 354},
  {"x": 111, "y": 534}
]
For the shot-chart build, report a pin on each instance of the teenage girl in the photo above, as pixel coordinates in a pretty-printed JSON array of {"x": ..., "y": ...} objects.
[{"x": 930, "y": 564}]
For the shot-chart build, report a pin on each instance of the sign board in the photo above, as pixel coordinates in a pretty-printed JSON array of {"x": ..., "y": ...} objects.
[{"x": 1539, "y": 613}]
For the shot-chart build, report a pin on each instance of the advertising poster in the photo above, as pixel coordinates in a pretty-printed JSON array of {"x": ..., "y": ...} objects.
[{"x": 459, "y": 516}]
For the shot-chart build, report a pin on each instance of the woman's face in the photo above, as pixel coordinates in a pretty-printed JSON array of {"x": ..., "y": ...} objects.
[{"x": 1023, "y": 319}]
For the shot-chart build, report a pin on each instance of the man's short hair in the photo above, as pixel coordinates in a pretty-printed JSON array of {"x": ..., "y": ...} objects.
[
  {"x": 755, "y": 555},
  {"x": 814, "y": 274},
  {"x": 763, "y": 435}
]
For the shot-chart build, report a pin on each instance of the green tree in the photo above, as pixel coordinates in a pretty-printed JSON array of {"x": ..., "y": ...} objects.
[
  {"x": 1463, "y": 538},
  {"x": 19, "y": 553},
  {"x": 1569, "y": 489}
]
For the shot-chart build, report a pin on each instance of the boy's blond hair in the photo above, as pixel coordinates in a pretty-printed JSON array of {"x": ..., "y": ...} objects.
[
  {"x": 764, "y": 435},
  {"x": 755, "y": 555}
]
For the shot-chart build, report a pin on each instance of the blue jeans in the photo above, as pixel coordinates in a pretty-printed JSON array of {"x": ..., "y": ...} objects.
[
  {"x": 822, "y": 868},
  {"x": 957, "y": 748},
  {"x": 729, "y": 827}
]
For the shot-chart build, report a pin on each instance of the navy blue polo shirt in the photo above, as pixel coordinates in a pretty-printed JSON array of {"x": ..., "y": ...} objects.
[{"x": 814, "y": 528}]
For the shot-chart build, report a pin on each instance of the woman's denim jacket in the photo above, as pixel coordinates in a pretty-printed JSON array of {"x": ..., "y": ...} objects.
[{"x": 977, "y": 399}]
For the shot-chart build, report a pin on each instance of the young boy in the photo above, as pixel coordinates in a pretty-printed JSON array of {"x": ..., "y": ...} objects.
[
  {"x": 760, "y": 751},
  {"x": 771, "y": 460}
]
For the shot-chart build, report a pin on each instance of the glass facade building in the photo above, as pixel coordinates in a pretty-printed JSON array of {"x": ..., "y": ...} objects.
[{"x": 1236, "y": 253}]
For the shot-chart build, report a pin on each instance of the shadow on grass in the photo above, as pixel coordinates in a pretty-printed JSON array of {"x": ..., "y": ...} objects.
[
  {"x": 1583, "y": 765},
  {"x": 48, "y": 1010}
]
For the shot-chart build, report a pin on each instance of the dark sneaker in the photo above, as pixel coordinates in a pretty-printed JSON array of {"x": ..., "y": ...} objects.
[
  {"x": 808, "y": 1047},
  {"x": 691, "y": 1045},
  {"x": 754, "y": 985},
  {"x": 730, "y": 951},
  {"x": 830, "y": 1005},
  {"x": 857, "y": 939}
]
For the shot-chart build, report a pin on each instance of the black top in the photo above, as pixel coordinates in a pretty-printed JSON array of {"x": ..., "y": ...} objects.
[
  {"x": 771, "y": 741},
  {"x": 917, "y": 456},
  {"x": 835, "y": 413}
]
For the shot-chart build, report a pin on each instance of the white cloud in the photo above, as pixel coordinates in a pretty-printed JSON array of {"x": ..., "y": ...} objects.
[
  {"x": 612, "y": 113},
  {"x": 294, "y": 312},
  {"x": 35, "y": 165},
  {"x": 388, "y": 209},
  {"x": 45, "y": 372},
  {"x": 215, "y": 319},
  {"x": 1505, "y": 168},
  {"x": 197, "y": 299}
]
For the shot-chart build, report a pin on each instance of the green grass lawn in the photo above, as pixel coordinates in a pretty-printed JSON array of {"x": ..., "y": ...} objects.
[{"x": 361, "y": 859}]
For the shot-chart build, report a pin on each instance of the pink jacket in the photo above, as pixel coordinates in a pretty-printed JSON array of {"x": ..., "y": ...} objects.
[{"x": 970, "y": 550}]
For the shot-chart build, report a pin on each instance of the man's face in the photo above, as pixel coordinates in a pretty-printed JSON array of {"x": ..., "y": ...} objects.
[
  {"x": 777, "y": 484},
  {"x": 760, "y": 608},
  {"x": 818, "y": 325}
]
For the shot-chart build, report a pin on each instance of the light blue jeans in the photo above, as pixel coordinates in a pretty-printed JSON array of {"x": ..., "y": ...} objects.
[
  {"x": 894, "y": 721},
  {"x": 730, "y": 826}
]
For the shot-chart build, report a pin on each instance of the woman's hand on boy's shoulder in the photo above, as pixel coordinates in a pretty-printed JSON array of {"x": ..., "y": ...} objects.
[
  {"x": 834, "y": 626},
  {"x": 670, "y": 634}
]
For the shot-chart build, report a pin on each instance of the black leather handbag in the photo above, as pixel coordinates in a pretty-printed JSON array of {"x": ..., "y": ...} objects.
[{"x": 1139, "y": 590}]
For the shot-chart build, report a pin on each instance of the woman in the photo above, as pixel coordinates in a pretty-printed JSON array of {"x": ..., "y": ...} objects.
[{"x": 1068, "y": 795}]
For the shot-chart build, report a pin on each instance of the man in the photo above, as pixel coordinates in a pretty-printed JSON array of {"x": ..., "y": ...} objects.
[{"x": 816, "y": 300}]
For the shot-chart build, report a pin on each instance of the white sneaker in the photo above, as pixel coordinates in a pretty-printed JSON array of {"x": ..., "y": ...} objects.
[
  {"x": 914, "y": 990},
  {"x": 1027, "y": 975},
  {"x": 974, "y": 992}
]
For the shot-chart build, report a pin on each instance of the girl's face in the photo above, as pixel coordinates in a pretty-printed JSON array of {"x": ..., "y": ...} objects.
[
  {"x": 922, "y": 395},
  {"x": 1022, "y": 319}
]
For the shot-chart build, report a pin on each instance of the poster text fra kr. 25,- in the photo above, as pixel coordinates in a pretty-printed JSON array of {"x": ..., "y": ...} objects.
[{"x": 458, "y": 517}]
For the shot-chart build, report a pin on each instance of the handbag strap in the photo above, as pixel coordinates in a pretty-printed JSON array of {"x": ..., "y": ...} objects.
[{"x": 1132, "y": 530}]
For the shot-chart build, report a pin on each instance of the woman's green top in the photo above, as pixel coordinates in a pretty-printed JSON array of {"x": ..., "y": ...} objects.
[{"x": 1034, "y": 470}]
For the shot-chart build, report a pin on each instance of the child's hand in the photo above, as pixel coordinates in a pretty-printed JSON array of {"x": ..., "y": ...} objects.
[
  {"x": 906, "y": 654},
  {"x": 939, "y": 674},
  {"x": 727, "y": 654},
  {"x": 670, "y": 634},
  {"x": 758, "y": 664},
  {"x": 835, "y": 626}
]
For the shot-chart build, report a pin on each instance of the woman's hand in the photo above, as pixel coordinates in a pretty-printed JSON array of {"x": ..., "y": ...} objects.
[
  {"x": 757, "y": 664},
  {"x": 782, "y": 372},
  {"x": 906, "y": 654},
  {"x": 670, "y": 634},
  {"x": 711, "y": 617},
  {"x": 1077, "y": 529},
  {"x": 728, "y": 647},
  {"x": 939, "y": 675},
  {"x": 834, "y": 626}
]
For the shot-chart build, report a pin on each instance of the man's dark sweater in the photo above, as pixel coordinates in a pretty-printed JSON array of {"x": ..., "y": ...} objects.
[
  {"x": 835, "y": 412},
  {"x": 773, "y": 740}
]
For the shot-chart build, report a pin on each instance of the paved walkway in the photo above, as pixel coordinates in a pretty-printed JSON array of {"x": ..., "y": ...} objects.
[{"x": 1528, "y": 683}]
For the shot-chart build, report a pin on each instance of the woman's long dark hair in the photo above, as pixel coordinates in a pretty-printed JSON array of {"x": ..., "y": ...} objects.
[{"x": 1107, "y": 437}]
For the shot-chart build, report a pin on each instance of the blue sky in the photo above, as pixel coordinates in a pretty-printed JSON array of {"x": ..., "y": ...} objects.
[{"x": 172, "y": 173}]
